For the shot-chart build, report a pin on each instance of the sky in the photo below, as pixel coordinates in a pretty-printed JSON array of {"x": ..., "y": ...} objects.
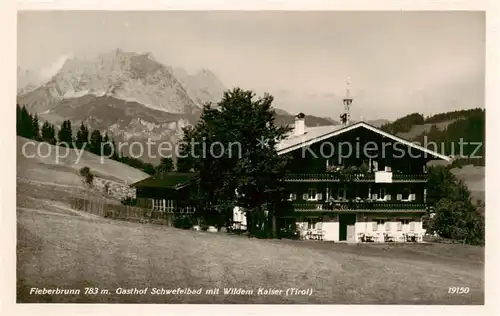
[{"x": 397, "y": 62}]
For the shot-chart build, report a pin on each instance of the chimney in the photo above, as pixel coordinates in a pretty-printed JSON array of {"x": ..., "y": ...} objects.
[{"x": 300, "y": 126}]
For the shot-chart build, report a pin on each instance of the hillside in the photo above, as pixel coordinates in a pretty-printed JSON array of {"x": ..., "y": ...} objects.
[
  {"x": 310, "y": 120},
  {"x": 64, "y": 171},
  {"x": 447, "y": 128}
]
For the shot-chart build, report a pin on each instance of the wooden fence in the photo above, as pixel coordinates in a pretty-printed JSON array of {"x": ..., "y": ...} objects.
[{"x": 124, "y": 212}]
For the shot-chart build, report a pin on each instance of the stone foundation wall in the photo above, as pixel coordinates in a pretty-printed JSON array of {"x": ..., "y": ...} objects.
[{"x": 115, "y": 190}]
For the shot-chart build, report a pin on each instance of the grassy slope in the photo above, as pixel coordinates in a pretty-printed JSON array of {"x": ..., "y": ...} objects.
[
  {"x": 67, "y": 251},
  {"x": 65, "y": 172},
  {"x": 417, "y": 130},
  {"x": 42, "y": 183},
  {"x": 60, "y": 247},
  {"x": 474, "y": 176}
]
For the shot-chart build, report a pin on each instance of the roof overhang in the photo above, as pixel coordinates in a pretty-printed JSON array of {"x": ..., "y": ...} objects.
[{"x": 336, "y": 132}]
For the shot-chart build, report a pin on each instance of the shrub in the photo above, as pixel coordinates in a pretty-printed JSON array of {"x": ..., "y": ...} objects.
[
  {"x": 129, "y": 201},
  {"x": 183, "y": 222},
  {"x": 455, "y": 216},
  {"x": 88, "y": 176}
]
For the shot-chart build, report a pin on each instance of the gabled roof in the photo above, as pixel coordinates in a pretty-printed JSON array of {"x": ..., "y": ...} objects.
[
  {"x": 172, "y": 180},
  {"x": 320, "y": 133}
]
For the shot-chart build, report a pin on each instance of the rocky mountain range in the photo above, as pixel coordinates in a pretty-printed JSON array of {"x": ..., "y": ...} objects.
[{"x": 130, "y": 95}]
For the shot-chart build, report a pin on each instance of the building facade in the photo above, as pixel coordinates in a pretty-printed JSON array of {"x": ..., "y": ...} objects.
[
  {"x": 167, "y": 193},
  {"x": 354, "y": 183}
]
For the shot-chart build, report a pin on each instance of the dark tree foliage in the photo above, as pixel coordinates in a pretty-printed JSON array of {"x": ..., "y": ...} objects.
[
  {"x": 403, "y": 124},
  {"x": 248, "y": 171},
  {"x": 95, "y": 142},
  {"x": 469, "y": 128},
  {"x": 35, "y": 128},
  {"x": 65, "y": 134},
  {"x": 108, "y": 148},
  {"x": 455, "y": 216},
  {"x": 166, "y": 165},
  {"x": 82, "y": 136},
  {"x": 49, "y": 133},
  {"x": 87, "y": 175},
  {"x": 442, "y": 117},
  {"x": 26, "y": 124},
  {"x": 129, "y": 201},
  {"x": 464, "y": 138},
  {"x": 185, "y": 161}
]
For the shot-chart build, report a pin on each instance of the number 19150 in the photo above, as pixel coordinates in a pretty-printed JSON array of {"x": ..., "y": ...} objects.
[{"x": 458, "y": 290}]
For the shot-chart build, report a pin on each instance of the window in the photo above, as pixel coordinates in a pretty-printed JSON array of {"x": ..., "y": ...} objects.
[
  {"x": 340, "y": 193},
  {"x": 292, "y": 197},
  {"x": 381, "y": 193},
  {"x": 387, "y": 226},
  {"x": 405, "y": 194},
  {"x": 403, "y": 224},
  {"x": 378, "y": 223},
  {"x": 312, "y": 223},
  {"x": 311, "y": 194}
]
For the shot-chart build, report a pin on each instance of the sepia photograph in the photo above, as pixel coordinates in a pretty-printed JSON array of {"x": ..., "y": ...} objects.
[{"x": 251, "y": 157}]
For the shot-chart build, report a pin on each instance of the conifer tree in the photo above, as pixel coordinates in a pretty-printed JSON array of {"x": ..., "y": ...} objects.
[
  {"x": 35, "y": 128},
  {"x": 95, "y": 142},
  {"x": 82, "y": 137},
  {"x": 65, "y": 135}
]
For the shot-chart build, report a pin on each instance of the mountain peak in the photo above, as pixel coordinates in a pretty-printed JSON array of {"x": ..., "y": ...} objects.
[{"x": 125, "y": 75}]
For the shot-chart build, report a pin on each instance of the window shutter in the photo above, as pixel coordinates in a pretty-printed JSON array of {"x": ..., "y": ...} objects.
[
  {"x": 319, "y": 196},
  {"x": 400, "y": 226},
  {"x": 412, "y": 226},
  {"x": 305, "y": 196},
  {"x": 374, "y": 226},
  {"x": 399, "y": 197},
  {"x": 387, "y": 226}
]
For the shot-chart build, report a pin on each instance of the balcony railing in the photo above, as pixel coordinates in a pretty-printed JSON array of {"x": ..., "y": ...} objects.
[
  {"x": 361, "y": 206},
  {"x": 327, "y": 176},
  {"x": 409, "y": 177},
  {"x": 334, "y": 177}
]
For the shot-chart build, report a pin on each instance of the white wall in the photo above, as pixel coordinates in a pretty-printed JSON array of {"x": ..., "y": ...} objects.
[
  {"x": 365, "y": 223},
  {"x": 331, "y": 231}
]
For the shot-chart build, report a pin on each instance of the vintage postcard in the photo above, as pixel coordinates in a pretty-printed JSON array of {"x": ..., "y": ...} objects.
[{"x": 250, "y": 157}]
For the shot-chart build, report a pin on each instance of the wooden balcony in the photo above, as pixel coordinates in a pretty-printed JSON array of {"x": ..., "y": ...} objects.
[
  {"x": 325, "y": 177},
  {"x": 333, "y": 177},
  {"x": 405, "y": 177},
  {"x": 361, "y": 206}
]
